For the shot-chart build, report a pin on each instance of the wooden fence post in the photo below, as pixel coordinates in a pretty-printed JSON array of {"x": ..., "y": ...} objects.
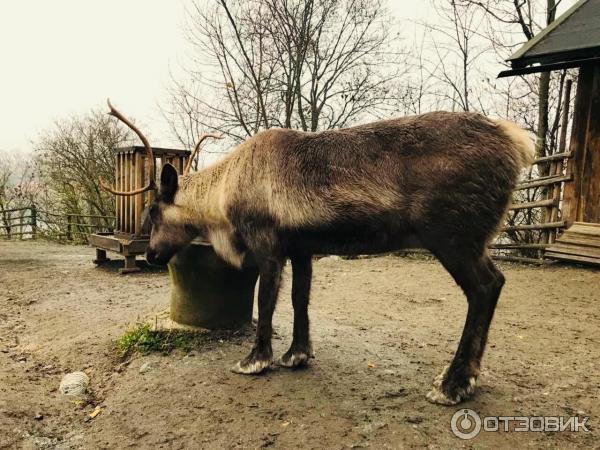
[{"x": 33, "y": 222}]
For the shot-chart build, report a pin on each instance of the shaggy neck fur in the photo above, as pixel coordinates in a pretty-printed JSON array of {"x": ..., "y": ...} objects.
[
  {"x": 199, "y": 194},
  {"x": 200, "y": 203}
]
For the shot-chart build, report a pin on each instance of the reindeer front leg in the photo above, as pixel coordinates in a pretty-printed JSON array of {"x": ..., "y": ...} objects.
[
  {"x": 300, "y": 350},
  {"x": 261, "y": 355}
]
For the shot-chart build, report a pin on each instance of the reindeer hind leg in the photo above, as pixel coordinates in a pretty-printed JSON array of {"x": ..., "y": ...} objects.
[{"x": 482, "y": 283}]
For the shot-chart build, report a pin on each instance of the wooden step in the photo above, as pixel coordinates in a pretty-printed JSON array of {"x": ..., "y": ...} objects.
[
  {"x": 592, "y": 252},
  {"x": 573, "y": 258},
  {"x": 579, "y": 243}
]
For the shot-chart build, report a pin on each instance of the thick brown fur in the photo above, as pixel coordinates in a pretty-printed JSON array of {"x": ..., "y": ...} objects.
[{"x": 439, "y": 180}]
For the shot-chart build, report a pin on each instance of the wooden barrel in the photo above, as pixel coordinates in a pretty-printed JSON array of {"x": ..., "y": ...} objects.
[{"x": 209, "y": 293}]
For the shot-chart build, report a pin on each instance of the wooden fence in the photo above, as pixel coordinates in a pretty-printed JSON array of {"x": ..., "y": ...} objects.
[
  {"x": 31, "y": 222},
  {"x": 535, "y": 220}
]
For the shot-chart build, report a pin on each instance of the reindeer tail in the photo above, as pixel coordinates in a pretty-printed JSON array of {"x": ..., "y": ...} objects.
[{"x": 522, "y": 140}]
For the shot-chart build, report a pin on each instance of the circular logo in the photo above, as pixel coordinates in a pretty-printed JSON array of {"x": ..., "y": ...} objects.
[{"x": 465, "y": 424}]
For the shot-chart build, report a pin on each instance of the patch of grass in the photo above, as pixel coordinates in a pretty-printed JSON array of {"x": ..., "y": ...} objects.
[{"x": 143, "y": 339}]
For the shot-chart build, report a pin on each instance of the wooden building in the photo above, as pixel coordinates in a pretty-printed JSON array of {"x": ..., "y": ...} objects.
[
  {"x": 573, "y": 41},
  {"x": 130, "y": 238}
]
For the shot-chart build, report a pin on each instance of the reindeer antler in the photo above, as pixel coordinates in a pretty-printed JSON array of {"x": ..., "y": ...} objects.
[
  {"x": 188, "y": 166},
  {"x": 151, "y": 183}
]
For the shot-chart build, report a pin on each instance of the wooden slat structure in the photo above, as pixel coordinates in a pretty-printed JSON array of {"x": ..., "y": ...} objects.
[
  {"x": 580, "y": 243},
  {"x": 550, "y": 225},
  {"x": 572, "y": 40},
  {"x": 131, "y": 172}
]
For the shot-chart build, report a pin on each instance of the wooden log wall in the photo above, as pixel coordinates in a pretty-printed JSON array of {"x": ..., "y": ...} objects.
[{"x": 582, "y": 194}]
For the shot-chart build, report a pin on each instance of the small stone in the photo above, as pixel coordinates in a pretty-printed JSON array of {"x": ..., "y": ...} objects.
[
  {"x": 39, "y": 416},
  {"x": 43, "y": 442},
  {"x": 22, "y": 359},
  {"x": 397, "y": 393},
  {"x": 414, "y": 419},
  {"x": 146, "y": 367}
]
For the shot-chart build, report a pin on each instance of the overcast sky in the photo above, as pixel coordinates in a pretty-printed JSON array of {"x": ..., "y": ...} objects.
[{"x": 64, "y": 57}]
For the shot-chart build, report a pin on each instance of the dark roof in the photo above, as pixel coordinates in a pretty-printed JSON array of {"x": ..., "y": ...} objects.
[
  {"x": 571, "y": 40},
  {"x": 158, "y": 151}
]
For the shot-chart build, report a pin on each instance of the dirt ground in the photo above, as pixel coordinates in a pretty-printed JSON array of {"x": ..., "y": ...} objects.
[{"x": 382, "y": 329}]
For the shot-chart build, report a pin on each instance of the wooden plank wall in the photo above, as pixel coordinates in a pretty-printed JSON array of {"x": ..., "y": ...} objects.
[
  {"x": 582, "y": 194},
  {"x": 590, "y": 176},
  {"x": 131, "y": 172}
]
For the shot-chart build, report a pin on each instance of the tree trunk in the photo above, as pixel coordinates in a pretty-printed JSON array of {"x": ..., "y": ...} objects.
[
  {"x": 544, "y": 88},
  {"x": 542, "y": 128}
]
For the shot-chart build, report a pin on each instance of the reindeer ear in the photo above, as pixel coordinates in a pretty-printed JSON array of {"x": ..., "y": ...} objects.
[{"x": 168, "y": 183}]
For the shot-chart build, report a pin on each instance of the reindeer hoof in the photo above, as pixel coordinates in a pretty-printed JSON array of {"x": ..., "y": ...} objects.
[
  {"x": 254, "y": 363},
  {"x": 251, "y": 368},
  {"x": 451, "y": 392},
  {"x": 438, "y": 397},
  {"x": 290, "y": 359}
]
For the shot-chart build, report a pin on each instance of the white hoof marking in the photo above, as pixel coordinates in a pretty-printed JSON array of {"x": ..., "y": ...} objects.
[
  {"x": 297, "y": 359},
  {"x": 437, "y": 381},
  {"x": 250, "y": 369},
  {"x": 438, "y": 397}
]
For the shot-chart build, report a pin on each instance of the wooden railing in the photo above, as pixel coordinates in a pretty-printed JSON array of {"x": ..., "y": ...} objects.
[
  {"x": 31, "y": 222},
  {"x": 525, "y": 240}
]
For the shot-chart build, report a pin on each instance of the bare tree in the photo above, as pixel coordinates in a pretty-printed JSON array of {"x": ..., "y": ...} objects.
[
  {"x": 536, "y": 100},
  {"x": 457, "y": 47},
  {"x": 526, "y": 18},
  {"x": 306, "y": 64},
  {"x": 72, "y": 155}
]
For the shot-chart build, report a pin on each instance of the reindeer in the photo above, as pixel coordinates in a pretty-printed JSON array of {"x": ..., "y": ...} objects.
[{"x": 440, "y": 181}]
